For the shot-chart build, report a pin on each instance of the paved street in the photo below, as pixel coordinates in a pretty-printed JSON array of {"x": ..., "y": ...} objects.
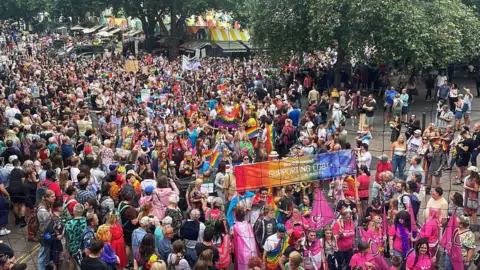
[{"x": 28, "y": 252}]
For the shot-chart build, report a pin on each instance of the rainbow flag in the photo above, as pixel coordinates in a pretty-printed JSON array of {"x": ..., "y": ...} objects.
[
  {"x": 252, "y": 132},
  {"x": 216, "y": 159},
  {"x": 273, "y": 257},
  {"x": 207, "y": 154},
  {"x": 228, "y": 120},
  {"x": 181, "y": 130},
  {"x": 270, "y": 138}
]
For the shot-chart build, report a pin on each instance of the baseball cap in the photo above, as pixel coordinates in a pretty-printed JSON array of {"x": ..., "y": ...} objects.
[{"x": 149, "y": 190}]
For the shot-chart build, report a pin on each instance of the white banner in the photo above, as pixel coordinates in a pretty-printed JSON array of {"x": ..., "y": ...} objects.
[{"x": 190, "y": 63}]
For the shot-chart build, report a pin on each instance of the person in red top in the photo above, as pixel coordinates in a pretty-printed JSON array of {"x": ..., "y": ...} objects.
[
  {"x": 307, "y": 83},
  {"x": 382, "y": 166},
  {"x": 344, "y": 233},
  {"x": 70, "y": 202},
  {"x": 363, "y": 181},
  {"x": 53, "y": 185}
]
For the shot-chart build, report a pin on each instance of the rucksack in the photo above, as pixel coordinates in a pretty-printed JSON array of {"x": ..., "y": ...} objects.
[
  {"x": 5, "y": 175},
  {"x": 119, "y": 210},
  {"x": 65, "y": 216},
  {"x": 41, "y": 192},
  {"x": 414, "y": 201},
  {"x": 190, "y": 230}
]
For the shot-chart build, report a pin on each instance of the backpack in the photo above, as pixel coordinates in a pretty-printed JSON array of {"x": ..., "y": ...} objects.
[
  {"x": 170, "y": 265},
  {"x": 119, "y": 210},
  {"x": 414, "y": 201},
  {"x": 41, "y": 192},
  {"x": 32, "y": 227},
  {"x": 5, "y": 175},
  {"x": 190, "y": 230},
  {"x": 65, "y": 216}
]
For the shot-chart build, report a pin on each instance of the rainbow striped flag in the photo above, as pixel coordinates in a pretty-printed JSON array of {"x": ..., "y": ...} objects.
[
  {"x": 273, "y": 257},
  {"x": 253, "y": 132},
  {"x": 216, "y": 159},
  {"x": 207, "y": 154},
  {"x": 270, "y": 138},
  {"x": 181, "y": 130},
  {"x": 228, "y": 120}
]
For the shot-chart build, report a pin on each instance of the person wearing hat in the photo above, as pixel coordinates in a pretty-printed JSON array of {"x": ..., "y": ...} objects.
[{"x": 414, "y": 143}]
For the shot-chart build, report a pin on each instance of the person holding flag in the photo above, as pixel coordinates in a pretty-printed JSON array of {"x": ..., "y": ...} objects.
[{"x": 459, "y": 243}]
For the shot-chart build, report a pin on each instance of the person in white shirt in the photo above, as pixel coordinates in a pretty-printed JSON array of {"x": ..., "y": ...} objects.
[
  {"x": 364, "y": 158},
  {"x": 414, "y": 143},
  {"x": 11, "y": 112},
  {"x": 441, "y": 78},
  {"x": 416, "y": 168}
]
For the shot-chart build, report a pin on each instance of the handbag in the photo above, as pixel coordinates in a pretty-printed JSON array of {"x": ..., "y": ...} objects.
[{"x": 471, "y": 203}]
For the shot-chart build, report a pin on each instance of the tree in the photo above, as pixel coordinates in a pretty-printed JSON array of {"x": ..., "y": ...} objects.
[
  {"x": 152, "y": 12},
  {"x": 25, "y": 10},
  {"x": 418, "y": 32}
]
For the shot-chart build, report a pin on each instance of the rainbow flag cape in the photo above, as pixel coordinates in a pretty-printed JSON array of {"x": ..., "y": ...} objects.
[
  {"x": 216, "y": 158},
  {"x": 270, "y": 138},
  {"x": 181, "y": 130},
  {"x": 228, "y": 120},
  {"x": 273, "y": 257},
  {"x": 252, "y": 132},
  {"x": 207, "y": 154}
]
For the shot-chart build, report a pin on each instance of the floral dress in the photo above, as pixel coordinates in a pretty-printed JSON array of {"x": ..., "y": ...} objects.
[{"x": 467, "y": 239}]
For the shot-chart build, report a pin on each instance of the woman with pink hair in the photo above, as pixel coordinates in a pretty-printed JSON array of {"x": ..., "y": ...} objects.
[{"x": 431, "y": 229}]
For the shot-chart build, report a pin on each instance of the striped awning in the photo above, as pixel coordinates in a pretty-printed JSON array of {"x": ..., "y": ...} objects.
[
  {"x": 229, "y": 35},
  {"x": 231, "y": 46}
]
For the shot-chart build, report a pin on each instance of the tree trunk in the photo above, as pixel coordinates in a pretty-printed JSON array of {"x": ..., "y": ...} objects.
[
  {"x": 173, "y": 40},
  {"x": 339, "y": 65}
]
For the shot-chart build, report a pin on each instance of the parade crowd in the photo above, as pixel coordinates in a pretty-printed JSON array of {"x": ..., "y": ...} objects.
[{"x": 110, "y": 169}]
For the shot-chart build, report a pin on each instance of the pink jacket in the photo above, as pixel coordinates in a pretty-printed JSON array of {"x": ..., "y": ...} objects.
[{"x": 160, "y": 200}]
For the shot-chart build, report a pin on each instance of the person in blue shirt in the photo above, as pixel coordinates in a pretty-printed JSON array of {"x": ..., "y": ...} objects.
[
  {"x": 389, "y": 96},
  {"x": 294, "y": 115}
]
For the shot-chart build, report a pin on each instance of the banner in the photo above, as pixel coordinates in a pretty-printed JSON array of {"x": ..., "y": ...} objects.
[
  {"x": 131, "y": 66},
  {"x": 190, "y": 63},
  {"x": 145, "y": 95},
  {"x": 291, "y": 170}
]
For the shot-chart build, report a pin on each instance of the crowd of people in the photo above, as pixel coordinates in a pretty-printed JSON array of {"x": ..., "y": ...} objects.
[{"x": 110, "y": 169}]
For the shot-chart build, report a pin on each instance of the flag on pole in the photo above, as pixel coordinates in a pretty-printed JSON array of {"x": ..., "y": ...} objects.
[
  {"x": 252, "y": 132},
  {"x": 216, "y": 158},
  {"x": 269, "y": 138},
  {"x": 451, "y": 243},
  {"x": 207, "y": 154},
  {"x": 322, "y": 213},
  {"x": 378, "y": 258}
]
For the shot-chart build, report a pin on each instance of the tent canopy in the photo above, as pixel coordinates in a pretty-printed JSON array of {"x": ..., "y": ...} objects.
[
  {"x": 77, "y": 28},
  {"x": 231, "y": 46},
  {"x": 92, "y": 30},
  {"x": 193, "y": 45}
]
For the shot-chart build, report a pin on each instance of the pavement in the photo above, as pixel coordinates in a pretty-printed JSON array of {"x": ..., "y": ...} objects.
[{"x": 27, "y": 252}]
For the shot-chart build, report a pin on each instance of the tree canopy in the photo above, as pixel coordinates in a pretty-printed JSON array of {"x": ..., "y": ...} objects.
[{"x": 419, "y": 32}]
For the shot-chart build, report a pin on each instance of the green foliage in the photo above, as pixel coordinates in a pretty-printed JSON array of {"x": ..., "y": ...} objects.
[{"x": 419, "y": 32}]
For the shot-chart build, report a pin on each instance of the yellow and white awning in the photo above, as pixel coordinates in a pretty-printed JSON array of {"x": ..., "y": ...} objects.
[{"x": 229, "y": 35}]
